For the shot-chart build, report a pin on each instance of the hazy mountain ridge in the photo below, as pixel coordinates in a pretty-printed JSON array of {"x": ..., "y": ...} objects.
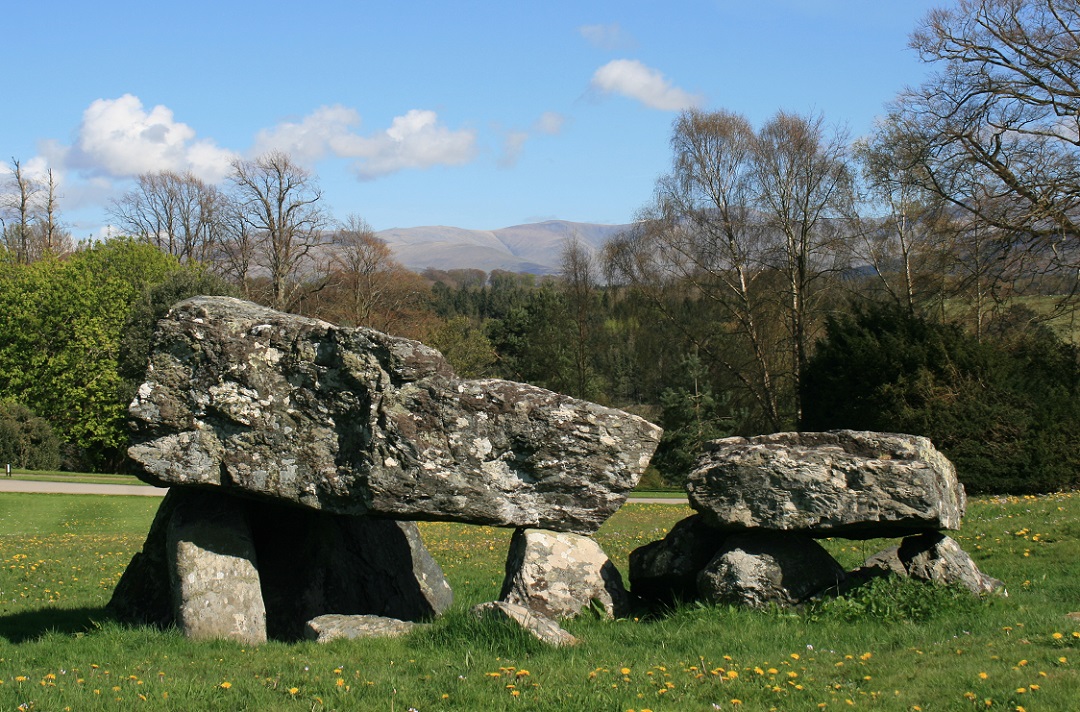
[{"x": 534, "y": 248}]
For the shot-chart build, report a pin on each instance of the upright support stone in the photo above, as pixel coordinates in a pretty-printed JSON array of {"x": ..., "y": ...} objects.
[
  {"x": 559, "y": 574},
  {"x": 214, "y": 572}
]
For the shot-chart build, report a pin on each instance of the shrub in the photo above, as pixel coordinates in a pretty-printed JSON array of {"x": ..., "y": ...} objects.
[
  {"x": 27, "y": 441},
  {"x": 1005, "y": 409}
]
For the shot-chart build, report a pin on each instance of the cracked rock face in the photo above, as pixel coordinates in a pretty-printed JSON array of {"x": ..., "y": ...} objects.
[
  {"x": 846, "y": 483},
  {"x": 352, "y": 421}
]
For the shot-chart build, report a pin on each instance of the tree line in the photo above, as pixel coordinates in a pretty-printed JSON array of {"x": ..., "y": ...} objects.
[{"x": 783, "y": 276}]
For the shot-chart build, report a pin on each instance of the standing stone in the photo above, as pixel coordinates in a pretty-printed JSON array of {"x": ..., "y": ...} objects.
[
  {"x": 309, "y": 564},
  {"x": 559, "y": 574},
  {"x": 939, "y": 559},
  {"x": 762, "y": 568},
  {"x": 214, "y": 572},
  {"x": 352, "y": 421},
  {"x": 666, "y": 570},
  {"x": 845, "y": 483}
]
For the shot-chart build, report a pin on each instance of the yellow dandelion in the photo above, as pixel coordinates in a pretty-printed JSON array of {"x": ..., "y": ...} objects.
[
  {"x": 983, "y": 676},
  {"x": 294, "y": 690},
  {"x": 522, "y": 673},
  {"x": 1057, "y": 636},
  {"x": 736, "y": 701},
  {"x": 625, "y": 671},
  {"x": 225, "y": 685}
]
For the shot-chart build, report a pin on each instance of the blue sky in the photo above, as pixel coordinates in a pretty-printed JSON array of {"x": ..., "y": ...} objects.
[{"x": 474, "y": 113}]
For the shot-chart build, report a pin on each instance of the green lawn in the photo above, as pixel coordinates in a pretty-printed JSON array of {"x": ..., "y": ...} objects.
[{"x": 901, "y": 648}]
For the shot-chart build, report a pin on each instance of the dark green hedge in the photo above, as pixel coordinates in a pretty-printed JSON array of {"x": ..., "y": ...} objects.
[{"x": 1004, "y": 409}]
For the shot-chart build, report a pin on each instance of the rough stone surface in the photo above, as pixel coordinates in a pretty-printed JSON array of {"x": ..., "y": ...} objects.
[
  {"x": 332, "y": 626},
  {"x": 939, "y": 559},
  {"x": 757, "y": 569},
  {"x": 666, "y": 570},
  {"x": 213, "y": 571},
  {"x": 310, "y": 563},
  {"x": 841, "y": 483},
  {"x": 887, "y": 560},
  {"x": 541, "y": 627},
  {"x": 559, "y": 574},
  {"x": 353, "y": 421}
]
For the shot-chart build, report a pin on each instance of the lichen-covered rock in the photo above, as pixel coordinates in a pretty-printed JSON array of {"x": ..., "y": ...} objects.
[
  {"x": 539, "y": 626},
  {"x": 353, "y": 421},
  {"x": 213, "y": 572},
  {"x": 841, "y": 483},
  {"x": 332, "y": 626},
  {"x": 757, "y": 569},
  {"x": 939, "y": 559},
  {"x": 559, "y": 574},
  {"x": 666, "y": 570}
]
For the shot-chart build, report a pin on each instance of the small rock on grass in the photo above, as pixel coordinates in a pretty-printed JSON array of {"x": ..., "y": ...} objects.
[
  {"x": 541, "y": 627},
  {"x": 332, "y": 626}
]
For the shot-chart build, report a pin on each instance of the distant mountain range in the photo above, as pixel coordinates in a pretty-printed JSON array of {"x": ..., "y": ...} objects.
[{"x": 534, "y": 248}]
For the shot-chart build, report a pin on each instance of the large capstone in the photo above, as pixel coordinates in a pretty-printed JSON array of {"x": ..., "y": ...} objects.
[
  {"x": 845, "y": 483},
  {"x": 352, "y": 421}
]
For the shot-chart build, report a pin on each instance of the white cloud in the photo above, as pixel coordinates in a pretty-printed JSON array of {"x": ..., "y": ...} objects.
[
  {"x": 550, "y": 123},
  {"x": 118, "y": 137},
  {"x": 513, "y": 144},
  {"x": 632, "y": 79},
  {"x": 311, "y": 138},
  {"x": 414, "y": 140},
  {"x": 606, "y": 36}
]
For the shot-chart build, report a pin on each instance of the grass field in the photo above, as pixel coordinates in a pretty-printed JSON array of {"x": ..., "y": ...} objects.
[{"x": 900, "y": 647}]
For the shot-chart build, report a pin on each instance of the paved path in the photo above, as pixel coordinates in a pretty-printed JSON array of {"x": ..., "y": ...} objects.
[{"x": 13, "y": 485}]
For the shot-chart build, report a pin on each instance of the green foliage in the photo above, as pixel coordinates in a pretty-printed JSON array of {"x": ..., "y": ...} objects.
[
  {"x": 692, "y": 416},
  {"x": 63, "y": 345},
  {"x": 27, "y": 441},
  {"x": 465, "y": 346},
  {"x": 895, "y": 600},
  {"x": 1005, "y": 410}
]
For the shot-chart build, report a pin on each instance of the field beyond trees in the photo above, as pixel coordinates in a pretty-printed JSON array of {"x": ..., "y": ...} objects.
[{"x": 903, "y": 646}]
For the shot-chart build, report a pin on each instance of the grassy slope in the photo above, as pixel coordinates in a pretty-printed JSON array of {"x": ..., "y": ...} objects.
[{"x": 60, "y": 556}]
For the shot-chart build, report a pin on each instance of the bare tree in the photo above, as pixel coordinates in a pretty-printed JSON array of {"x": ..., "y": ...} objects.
[
  {"x": 904, "y": 239},
  {"x": 804, "y": 190},
  {"x": 52, "y": 236},
  {"x": 279, "y": 202},
  {"x": 177, "y": 212},
  {"x": 1006, "y": 100},
  {"x": 579, "y": 281},
  {"x": 738, "y": 210},
  {"x": 19, "y": 205}
]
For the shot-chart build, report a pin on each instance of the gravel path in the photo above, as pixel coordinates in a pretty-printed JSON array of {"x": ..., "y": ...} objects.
[{"x": 14, "y": 485}]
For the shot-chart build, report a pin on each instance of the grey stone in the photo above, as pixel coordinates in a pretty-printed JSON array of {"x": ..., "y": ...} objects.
[
  {"x": 939, "y": 559},
  {"x": 757, "y": 569},
  {"x": 539, "y": 626},
  {"x": 353, "y": 421},
  {"x": 559, "y": 574},
  {"x": 841, "y": 483},
  {"x": 309, "y": 564},
  {"x": 887, "y": 560},
  {"x": 333, "y": 626},
  {"x": 213, "y": 571},
  {"x": 666, "y": 570}
]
